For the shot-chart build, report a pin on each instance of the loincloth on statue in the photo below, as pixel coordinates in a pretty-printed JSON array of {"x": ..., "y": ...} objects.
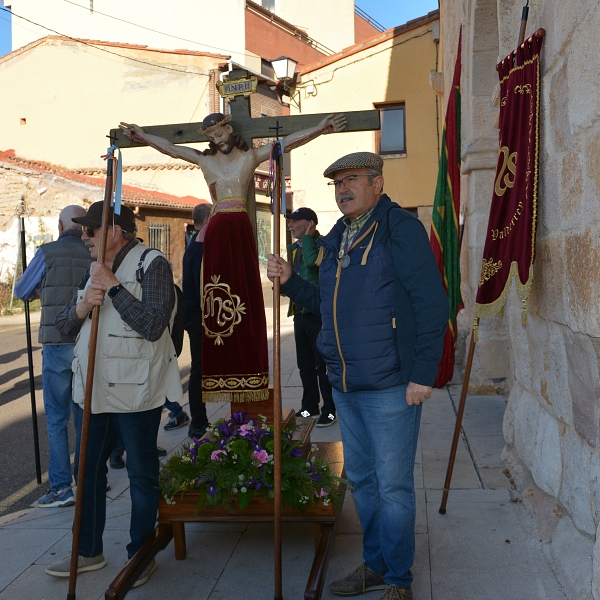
[{"x": 235, "y": 358}]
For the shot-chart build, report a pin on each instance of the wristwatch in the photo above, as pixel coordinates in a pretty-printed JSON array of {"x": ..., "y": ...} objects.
[{"x": 114, "y": 290}]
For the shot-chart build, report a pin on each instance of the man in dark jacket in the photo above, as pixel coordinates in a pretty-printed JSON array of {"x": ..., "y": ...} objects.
[
  {"x": 303, "y": 253},
  {"x": 54, "y": 273},
  {"x": 192, "y": 265},
  {"x": 384, "y": 313}
]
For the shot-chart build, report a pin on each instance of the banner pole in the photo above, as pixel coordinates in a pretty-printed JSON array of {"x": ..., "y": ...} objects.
[
  {"x": 524, "y": 17},
  {"x": 34, "y": 418},
  {"x": 87, "y": 403},
  {"x": 277, "y": 384},
  {"x": 459, "y": 418}
]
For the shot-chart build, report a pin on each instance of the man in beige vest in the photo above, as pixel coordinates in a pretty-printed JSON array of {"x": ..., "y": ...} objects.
[{"x": 136, "y": 368}]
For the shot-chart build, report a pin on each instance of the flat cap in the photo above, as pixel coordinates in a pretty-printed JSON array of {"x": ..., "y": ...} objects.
[{"x": 356, "y": 160}]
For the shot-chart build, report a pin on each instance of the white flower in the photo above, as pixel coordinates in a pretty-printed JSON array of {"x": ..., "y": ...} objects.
[
  {"x": 243, "y": 490},
  {"x": 241, "y": 477}
]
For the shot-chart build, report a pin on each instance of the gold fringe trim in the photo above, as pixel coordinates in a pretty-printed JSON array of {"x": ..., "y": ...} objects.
[
  {"x": 497, "y": 307},
  {"x": 245, "y": 396}
]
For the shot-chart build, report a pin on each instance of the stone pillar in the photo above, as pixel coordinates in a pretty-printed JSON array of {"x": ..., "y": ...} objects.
[{"x": 491, "y": 371}]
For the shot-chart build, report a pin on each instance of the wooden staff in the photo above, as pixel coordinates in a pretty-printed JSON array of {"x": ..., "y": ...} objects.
[
  {"x": 463, "y": 394},
  {"x": 89, "y": 382},
  {"x": 277, "y": 386},
  {"x": 459, "y": 417}
]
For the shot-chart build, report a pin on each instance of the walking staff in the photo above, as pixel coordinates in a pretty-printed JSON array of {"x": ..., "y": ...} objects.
[{"x": 87, "y": 407}]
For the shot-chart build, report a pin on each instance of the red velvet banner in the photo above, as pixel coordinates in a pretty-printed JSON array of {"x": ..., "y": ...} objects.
[
  {"x": 509, "y": 250},
  {"x": 235, "y": 357}
]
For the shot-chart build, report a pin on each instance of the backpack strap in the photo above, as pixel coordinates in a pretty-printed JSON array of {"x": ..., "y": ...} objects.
[{"x": 140, "y": 272}]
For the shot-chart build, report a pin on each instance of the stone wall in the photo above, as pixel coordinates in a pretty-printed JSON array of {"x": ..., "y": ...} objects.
[
  {"x": 45, "y": 196},
  {"x": 551, "y": 424}
]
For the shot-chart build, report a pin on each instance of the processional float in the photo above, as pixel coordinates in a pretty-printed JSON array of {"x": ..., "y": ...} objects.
[{"x": 237, "y": 89}]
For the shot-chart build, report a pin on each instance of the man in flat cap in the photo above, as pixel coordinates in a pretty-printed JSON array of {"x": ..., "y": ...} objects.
[
  {"x": 384, "y": 314},
  {"x": 136, "y": 369},
  {"x": 303, "y": 253}
]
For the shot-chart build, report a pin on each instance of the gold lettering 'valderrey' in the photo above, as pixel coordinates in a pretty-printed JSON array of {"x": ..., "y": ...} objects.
[{"x": 222, "y": 310}]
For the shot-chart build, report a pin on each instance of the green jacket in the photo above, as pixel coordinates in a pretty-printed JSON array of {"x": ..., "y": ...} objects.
[{"x": 308, "y": 262}]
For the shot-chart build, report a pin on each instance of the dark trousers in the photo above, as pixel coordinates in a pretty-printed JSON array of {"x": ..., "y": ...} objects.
[
  {"x": 138, "y": 430},
  {"x": 197, "y": 407},
  {"x": 313, "y": 371}
]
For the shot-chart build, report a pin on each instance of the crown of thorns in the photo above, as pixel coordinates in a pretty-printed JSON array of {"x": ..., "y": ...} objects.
[{"x": 213, "y": 125}]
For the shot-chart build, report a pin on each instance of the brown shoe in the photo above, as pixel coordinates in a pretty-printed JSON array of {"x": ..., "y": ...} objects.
[
  {"x": 358, "y": 582},
  {"x": 393, "y": 592}
]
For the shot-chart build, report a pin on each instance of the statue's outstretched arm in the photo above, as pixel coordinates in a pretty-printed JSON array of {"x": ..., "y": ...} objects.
[
  {"x": 330, "y": 124},
  {"x": 134, "y": 132}
]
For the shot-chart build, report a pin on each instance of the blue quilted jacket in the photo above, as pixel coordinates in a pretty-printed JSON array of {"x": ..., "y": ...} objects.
[{"x": 385, "y": 314}]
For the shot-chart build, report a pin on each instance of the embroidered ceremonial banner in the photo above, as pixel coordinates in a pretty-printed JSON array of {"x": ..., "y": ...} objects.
[
  {"x": 509, "y": 250},
  {"x": 445, "y": 234},
  {"x": 235, "y": 357}
]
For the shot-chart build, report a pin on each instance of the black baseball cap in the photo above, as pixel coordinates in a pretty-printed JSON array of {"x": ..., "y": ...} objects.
[
  {"x": 303, "y": 213},
  {"x": 93, "y": 217}
]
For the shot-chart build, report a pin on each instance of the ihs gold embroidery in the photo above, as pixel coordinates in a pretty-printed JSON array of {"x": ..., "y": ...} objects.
[{"x": 222, "y": 310}]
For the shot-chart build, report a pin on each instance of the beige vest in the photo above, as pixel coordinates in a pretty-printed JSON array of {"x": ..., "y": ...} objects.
[{"x": 131, "y": 373}]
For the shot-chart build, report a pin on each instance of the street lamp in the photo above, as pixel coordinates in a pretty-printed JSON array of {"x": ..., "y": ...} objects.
[{"x": 284, "y": 68}]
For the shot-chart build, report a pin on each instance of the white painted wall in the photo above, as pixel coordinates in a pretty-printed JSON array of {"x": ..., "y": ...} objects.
[
  {"x": 330, "y": 23},
  {"x": 206, "y": 26}
]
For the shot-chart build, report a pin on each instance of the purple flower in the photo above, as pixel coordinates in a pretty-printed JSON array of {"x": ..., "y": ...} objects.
[
  {"x": 216, "y": 455},
  {"x": 211, "y": 488},
  {"x": 261, "y": 456},
  {"x": 296, "y": 453},
  {"x": 239, "y": 418},
  {"x": 246, "y": 430}
]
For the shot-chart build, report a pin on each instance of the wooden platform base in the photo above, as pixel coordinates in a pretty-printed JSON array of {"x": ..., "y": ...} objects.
[{"x": 172, "y": 519}]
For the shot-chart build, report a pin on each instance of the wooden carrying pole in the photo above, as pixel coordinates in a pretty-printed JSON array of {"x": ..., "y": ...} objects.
[
  {"x": 277, "y": 388},
  {"x": 89, "y": 382}
]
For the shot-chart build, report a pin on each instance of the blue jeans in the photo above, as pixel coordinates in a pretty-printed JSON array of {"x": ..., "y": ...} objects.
[
  {"x": 138, "y": 430},
  {"x": 174, "y": 408},
  {"x": 379, "y": 433},
  {"x": 58, "y": 404}
]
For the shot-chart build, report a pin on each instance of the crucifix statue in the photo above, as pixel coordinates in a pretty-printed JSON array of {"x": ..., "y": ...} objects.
[{"x": 235, "y": 355}]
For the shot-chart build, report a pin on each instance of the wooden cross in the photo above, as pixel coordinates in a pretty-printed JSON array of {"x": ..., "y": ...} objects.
[{"x": 249, "y": 128}]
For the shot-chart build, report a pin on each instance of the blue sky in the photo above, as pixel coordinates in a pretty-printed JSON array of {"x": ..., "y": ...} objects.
[
  {"x": 389, "y": 13},
  {"x": 5, "y": 43}
]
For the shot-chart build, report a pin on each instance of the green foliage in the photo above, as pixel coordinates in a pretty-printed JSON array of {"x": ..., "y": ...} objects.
[{"x": 236, "y": 465}]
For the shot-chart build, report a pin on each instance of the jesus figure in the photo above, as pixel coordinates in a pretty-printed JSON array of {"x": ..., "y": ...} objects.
[{"x": 235, "y": 363}]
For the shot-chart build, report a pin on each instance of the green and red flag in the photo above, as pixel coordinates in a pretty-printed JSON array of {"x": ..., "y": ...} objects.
[{"x": 445, "y": 229}]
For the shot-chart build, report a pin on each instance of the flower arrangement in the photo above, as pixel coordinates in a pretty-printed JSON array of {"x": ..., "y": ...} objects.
[{"x": 236, "y": 464}]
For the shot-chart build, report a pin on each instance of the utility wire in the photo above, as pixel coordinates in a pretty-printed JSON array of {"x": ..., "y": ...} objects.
[
  {"x": 143, "y": 62},
  {"x": 161, "y": 32}
]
